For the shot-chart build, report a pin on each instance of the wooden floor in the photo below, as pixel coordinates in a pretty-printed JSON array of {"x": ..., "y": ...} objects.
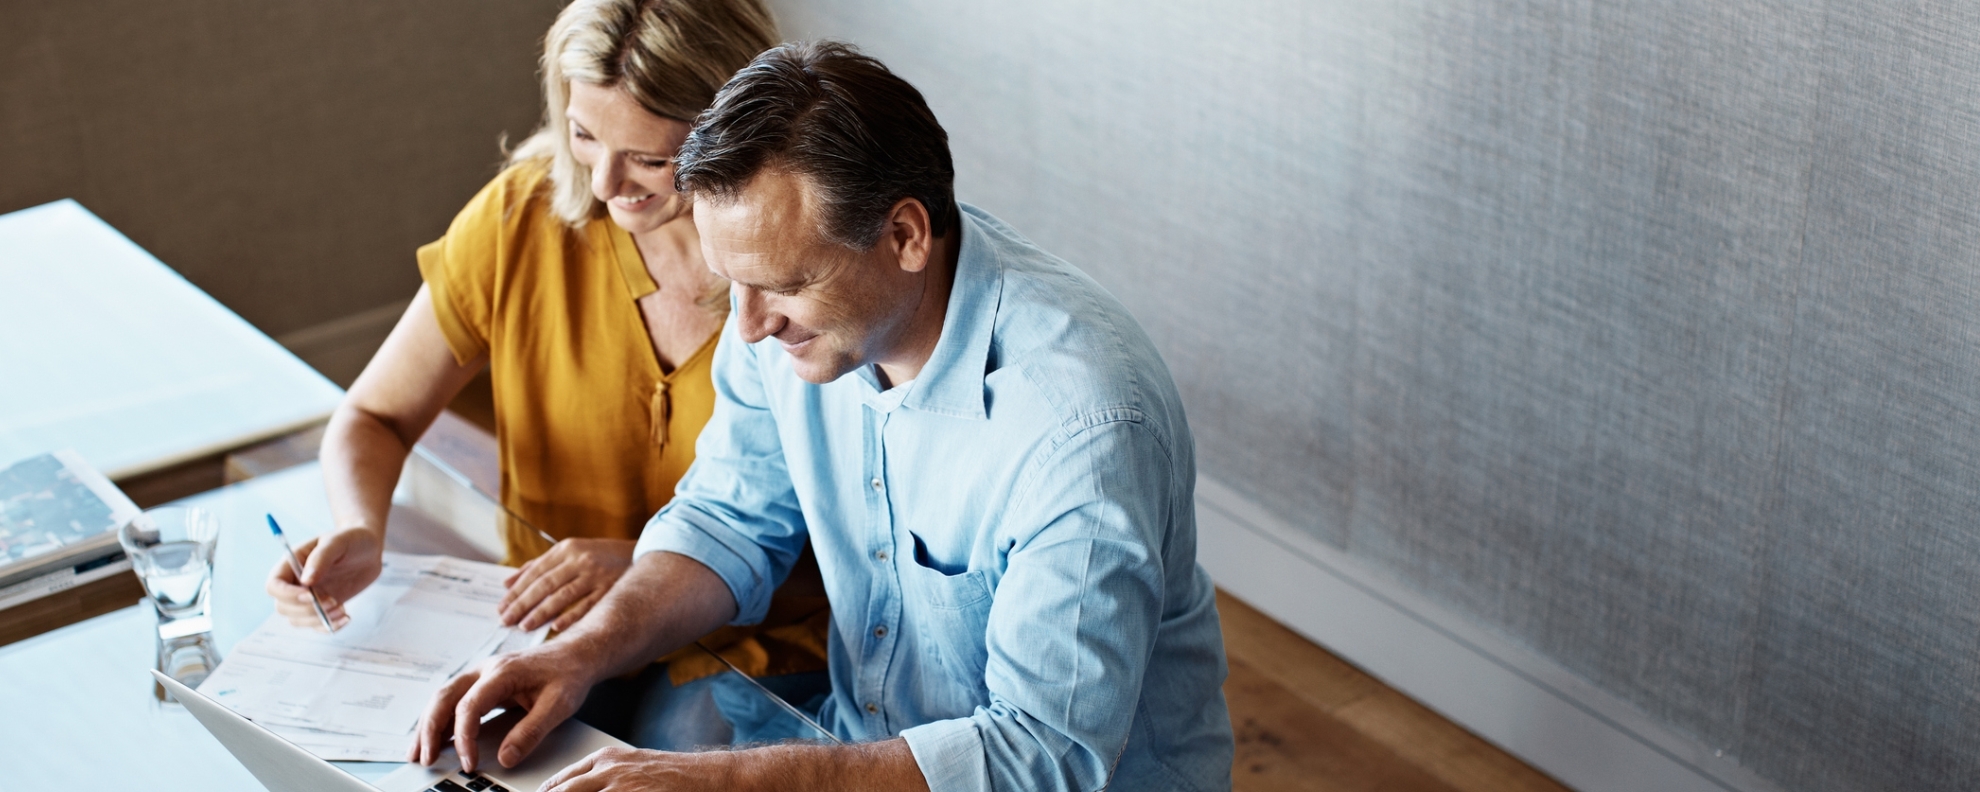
[{"x": 1306, "y": 720}]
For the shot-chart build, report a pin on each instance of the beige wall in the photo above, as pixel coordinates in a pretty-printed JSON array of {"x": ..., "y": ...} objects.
[{"x": 286, "y": 157}]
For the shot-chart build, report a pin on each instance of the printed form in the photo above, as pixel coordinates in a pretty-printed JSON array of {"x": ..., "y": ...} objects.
[{"x": 357, "y": 694}]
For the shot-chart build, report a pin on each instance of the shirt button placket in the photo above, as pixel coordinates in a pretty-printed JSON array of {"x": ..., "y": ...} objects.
[{"x": 886, "y": 601}]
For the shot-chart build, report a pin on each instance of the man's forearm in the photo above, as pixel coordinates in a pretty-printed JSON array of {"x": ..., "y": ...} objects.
[
  {"x": 886, "y": 765},
  {"x": 662, "y": 603}
]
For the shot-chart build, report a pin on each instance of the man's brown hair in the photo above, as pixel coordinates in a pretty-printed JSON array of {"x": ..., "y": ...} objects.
[{"x": 861, "y": 135}]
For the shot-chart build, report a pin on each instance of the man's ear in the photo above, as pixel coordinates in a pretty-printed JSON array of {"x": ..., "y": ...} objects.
[{"x": 910, "y": 234}]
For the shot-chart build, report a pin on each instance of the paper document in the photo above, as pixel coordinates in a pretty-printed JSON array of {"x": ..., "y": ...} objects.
[{"x": 357, "y": 694}]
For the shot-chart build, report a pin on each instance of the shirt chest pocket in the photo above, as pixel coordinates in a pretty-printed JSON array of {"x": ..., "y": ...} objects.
[{"x": 954, "y": 614}]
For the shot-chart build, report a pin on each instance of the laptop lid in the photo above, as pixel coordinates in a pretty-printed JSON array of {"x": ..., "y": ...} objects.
[
  {"x": 278, "y": 764},
  {"x": 282, "y": 766}
]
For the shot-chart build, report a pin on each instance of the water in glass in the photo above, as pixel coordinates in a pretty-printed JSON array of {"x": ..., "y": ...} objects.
[{"x": 172, "y": 550}]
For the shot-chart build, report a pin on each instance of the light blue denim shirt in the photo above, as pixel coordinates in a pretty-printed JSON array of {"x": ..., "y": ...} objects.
[{"x": 1009, "y": 541}]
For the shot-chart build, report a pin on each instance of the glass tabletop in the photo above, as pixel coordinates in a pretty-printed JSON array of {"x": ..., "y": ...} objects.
[{"x": 75, "y": 692}]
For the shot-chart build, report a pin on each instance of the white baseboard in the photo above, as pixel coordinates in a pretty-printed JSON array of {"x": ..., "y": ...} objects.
[
  {"x": 1532, "y": 707},
  {"x": 340, "y": 347}
]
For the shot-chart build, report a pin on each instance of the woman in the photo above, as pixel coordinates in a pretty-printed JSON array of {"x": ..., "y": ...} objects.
[{"x": 576, "y": 277}]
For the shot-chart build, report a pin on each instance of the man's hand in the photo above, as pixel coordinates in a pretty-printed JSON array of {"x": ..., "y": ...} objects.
[
  {"x": 547, "y": 681},
  {"x": 667, "y": 600},
  {"x": 559, "y": 587},
  {"x": 337, "y": 566}
]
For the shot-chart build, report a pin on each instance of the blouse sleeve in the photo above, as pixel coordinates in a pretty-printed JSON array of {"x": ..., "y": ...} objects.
[{"x": 461, "y": 268}]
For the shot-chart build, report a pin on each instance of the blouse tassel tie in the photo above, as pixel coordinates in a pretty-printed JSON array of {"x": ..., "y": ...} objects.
[{"x": 661, "y": 412}]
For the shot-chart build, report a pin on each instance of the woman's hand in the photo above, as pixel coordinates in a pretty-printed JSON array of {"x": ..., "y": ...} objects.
[
  {"x": 337, "y": 566},
  {"x": 559, "y": 587}
]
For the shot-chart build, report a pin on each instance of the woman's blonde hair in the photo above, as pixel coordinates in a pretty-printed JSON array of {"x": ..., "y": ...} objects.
[{"x": 671, "y": 56}]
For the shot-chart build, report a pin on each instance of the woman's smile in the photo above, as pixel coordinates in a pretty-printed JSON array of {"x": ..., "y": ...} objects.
[{"x": 634, "y": 202}]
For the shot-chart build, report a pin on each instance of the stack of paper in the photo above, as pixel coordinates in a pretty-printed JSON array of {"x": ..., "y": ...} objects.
[{"x": 357, "y": 694}]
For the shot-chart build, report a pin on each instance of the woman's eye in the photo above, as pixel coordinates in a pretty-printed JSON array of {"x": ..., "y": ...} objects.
[{"x": 652, "y": 163}]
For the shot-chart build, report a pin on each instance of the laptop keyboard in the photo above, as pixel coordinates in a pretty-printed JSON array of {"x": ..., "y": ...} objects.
[{"x": 467, "y": 782}]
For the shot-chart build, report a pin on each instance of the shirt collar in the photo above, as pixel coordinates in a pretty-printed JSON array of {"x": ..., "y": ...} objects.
[
  {"x": 951, "y": 383},
  {"x": 625, "y": 252}
]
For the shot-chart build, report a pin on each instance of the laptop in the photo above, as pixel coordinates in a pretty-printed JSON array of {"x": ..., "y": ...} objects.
[{"x": 281, "y": 766}]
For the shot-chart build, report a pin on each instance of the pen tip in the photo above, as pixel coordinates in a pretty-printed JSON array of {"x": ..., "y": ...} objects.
[{"x": 272, "y": 526}]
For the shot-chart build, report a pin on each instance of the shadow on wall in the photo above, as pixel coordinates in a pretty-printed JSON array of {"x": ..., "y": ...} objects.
[{"x": 285, "y": 157}]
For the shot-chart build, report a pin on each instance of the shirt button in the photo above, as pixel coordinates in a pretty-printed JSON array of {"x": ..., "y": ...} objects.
[
  {"x": 882, "y": 555},
  {"x": 877, "y": 483},
  {"x": 880, "y": 631},
  {"x": 872, "y": 708}
]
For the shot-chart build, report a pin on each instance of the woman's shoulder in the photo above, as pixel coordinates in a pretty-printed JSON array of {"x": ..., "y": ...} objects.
[
  {"x": 515, "y": 205},
  {"x": 507, "y": 222},
  {"x": 530, "y": 175},
  {"x": 521, "y": 185}
]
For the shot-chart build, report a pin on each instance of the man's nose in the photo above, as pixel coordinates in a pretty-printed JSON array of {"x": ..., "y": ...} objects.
[{"x": 754, "y": 319}]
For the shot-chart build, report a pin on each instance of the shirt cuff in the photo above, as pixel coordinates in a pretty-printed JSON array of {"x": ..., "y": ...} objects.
[
  {"x": 950, "y": 755},
  {"x": 684, "y": 537}
]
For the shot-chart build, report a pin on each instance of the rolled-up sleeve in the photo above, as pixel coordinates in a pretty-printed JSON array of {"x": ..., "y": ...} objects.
[
  {"x": 949, "y": 753},
  {"x": 1073, "y": 623},
  {"x": 735, "y": 510}
]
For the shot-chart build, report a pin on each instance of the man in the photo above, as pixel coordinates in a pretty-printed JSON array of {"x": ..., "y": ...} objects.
[{"x": 984, "y": 449}]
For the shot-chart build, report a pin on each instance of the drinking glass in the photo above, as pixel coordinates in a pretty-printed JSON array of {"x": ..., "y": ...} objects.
[{"x": 171, "y": 549}]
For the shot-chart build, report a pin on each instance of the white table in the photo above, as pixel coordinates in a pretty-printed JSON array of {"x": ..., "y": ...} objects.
[
  {"x": 76, "y": 705},
  {"x": 106, "y": 350},
  {"x": 76, "y": 708}
]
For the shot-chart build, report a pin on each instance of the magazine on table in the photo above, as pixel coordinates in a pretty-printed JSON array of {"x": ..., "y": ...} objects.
[{"x": 58, "y": 526}]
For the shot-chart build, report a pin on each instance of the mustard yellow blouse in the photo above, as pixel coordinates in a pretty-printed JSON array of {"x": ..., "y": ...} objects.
[{"x": 592, "y": 434}]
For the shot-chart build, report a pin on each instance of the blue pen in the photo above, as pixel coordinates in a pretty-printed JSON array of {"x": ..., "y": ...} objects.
[{"x": 296, "y": 567}]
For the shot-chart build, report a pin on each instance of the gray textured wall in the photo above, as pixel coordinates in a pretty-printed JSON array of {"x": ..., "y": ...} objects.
[
  {"x": 1643, "y": 332},
  {"x": 286, "y": 157}
]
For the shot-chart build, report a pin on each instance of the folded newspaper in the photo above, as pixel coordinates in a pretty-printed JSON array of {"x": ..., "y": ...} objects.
[
  {"x": 357, "y": 694},
  {"x": 58, "y": 526}
]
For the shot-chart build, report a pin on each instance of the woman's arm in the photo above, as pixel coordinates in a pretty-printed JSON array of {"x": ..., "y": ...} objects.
[{"x": 401, "y": 391}]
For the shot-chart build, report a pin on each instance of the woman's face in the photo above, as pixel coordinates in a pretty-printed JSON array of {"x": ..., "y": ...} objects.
[{"x": 630, "y": 153}]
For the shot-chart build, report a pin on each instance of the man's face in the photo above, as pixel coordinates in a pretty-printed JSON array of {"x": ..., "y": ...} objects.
[{"x": 833, "y": 309}]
